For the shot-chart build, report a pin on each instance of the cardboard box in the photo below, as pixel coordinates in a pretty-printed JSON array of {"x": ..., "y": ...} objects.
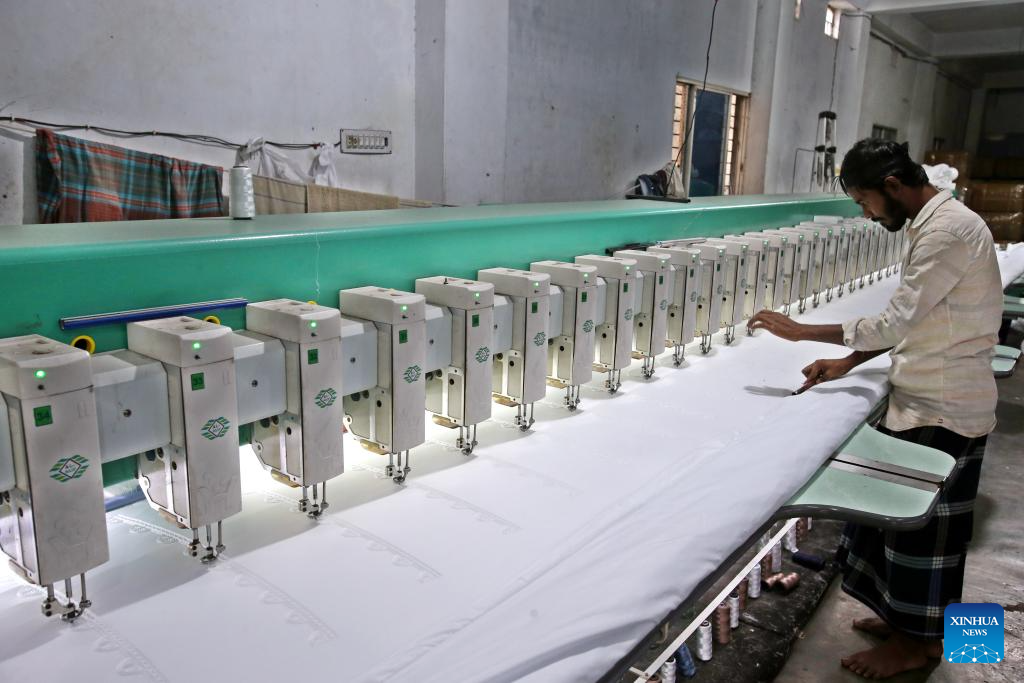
[
  {"x": 1011, "y": 168},
  {"x": 983, "y": 168},
  {"x": 1006, "y": 226},
  {"x": 959, "y": 159},
  {"x": 996, "y": 196}
]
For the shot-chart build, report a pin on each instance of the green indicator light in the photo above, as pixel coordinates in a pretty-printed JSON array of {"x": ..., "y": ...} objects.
[
  {"x": 404, "y": 308},
  {"x": 586, "y": 275},
  {"x": 40, "y": 374},
  {"x": 196, "y": 345},
  {"x": 627, "y": 267},
  {"x": 536, "y": 284},
  {"x": 477, "y": 295},
  {"x": 312, "y": 324}
]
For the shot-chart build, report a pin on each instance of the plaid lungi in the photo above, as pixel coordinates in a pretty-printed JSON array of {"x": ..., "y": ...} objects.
[
  {"x": 908, "y": 577},
  {"x": 79, "y": 180}
]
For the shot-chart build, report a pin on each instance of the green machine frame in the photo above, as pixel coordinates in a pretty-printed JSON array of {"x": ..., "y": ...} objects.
[{"x": 49, "y": 272}]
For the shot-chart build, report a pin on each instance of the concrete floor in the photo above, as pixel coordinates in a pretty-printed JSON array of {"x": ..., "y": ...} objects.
[{"x": 995, "y": 571}]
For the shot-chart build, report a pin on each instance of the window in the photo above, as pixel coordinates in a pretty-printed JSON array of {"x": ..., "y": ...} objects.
[
  {"x": 832, "y": 15},
  {"x": 883, "y": 132},
  {"x": 712, "y": 159}
]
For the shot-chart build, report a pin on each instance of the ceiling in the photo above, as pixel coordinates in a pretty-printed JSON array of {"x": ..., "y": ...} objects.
[{"x": 984, "y": 18}]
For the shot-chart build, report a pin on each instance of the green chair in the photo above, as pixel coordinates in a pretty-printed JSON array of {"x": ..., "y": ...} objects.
[{"x": 874, "y": 479}]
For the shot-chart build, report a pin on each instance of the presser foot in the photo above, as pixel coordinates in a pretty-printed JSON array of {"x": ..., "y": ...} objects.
[
  {"x": 524, "y": 421},
  {"x": 705, "y": 344},
  {"x": 730, "y": 335},
  {"x": 677, "y": 356},
  {"x": 467, "y": 440},
  {"x": 647, "y": 369}
]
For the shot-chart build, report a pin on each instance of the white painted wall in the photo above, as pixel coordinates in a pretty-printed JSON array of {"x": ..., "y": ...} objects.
[
  {"x": 952, "y": 105},
  {"x": 585, "y": 101},
  {"x": 898, "y": 93},
  {"x": 489, "y": 100},
  {"x": 802, "y": 88},
  {"x": 288, "y": 71}
]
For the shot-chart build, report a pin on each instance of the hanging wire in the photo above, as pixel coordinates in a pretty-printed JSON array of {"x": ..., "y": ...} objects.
[{"x": 199, "y": 139}]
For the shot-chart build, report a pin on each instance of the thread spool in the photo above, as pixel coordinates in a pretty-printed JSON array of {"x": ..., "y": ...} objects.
[
  {"x": 743, "y": 588},
  {"x": 723, "y": 633},
  {"x": 685, "y": 665},
  {"x": 776, "y": 564},
  {"x": 734, "y": 610},
  {"x": 810, "y": 524},
  {"x": 789, "y": 581},
  {"x": 754, "y": 582},
  {"x": 808, "y": 560},
  {"x": 766, "y": 565},
  {"x": 667, "y": 672},
  {"x": 772, "y": 580},
  {"x": 705, "y": 645},
  {"x": 789, "y": 540},
  {"x": 243, "y": 201},
  {"x": 801, "y": 529}
]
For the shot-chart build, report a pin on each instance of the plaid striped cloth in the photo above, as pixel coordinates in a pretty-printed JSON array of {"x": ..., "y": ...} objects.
[
  {"x": 79, "y": 180},
  {"x": 908, "y": 577}
]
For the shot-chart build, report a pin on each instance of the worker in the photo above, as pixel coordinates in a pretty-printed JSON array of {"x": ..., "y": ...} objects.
[{"x": 939, "y": 329}]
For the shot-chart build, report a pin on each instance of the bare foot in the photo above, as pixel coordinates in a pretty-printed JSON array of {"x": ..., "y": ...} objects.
[
  {"x": 876, "y": 627},
  {"x": 896, "y": 655}
]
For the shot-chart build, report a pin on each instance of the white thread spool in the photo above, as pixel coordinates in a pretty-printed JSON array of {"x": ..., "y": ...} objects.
[
  {"x": 705, "y": 642},
  {"x": 754, "y": 582},
  {"x": 243, "y": 201},
  {"x": 790, "y": 539},
  {"x": 809, "y": 524},
  {"x": 734, "y": 610},
  {"x": 776, "y": 558},
  {"x": 667, "y": 672}
]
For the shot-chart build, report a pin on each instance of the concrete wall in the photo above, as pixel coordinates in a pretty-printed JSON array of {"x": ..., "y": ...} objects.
[
  {"x": 295, "y": 71},
  {"x": 802, "y": 87},
  {"x": 589, "y": 92},
  {"x": 489, "y": 100},
  {"x": 898, "y": 93},
  {"x": 952, "y": 105}
]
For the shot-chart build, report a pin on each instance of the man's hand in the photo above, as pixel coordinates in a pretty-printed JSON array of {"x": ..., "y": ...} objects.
[
  {"x": 825, "y": 371},
  {"x": 779, "y": 325}
]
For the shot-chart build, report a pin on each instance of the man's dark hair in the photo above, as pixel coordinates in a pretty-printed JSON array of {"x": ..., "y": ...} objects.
[{"x": 871, "y": 161}]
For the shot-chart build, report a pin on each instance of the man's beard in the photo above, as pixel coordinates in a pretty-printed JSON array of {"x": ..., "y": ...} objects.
[{"x": 895, "y": 215}]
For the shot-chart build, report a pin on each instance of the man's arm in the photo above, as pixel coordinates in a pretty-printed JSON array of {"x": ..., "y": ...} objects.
[
  {"x": 828, "y": 369},
  {"x": 937, "y": 263}
]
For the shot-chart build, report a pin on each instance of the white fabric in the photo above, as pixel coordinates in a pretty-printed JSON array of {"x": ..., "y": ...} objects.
[
  {"x": 941, "y": 176},
  {"x": 1011, "y": 263},
  {"x": 546, "y": 557}
]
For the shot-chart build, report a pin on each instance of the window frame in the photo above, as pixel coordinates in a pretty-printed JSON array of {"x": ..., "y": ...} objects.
[{"x": 734, "y": 132}]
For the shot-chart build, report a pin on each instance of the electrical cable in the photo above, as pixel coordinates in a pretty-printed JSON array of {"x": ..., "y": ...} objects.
[{"x": 207, "y": 140}]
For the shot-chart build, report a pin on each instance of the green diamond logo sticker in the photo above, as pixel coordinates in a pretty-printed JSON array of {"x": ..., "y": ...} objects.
[
  {"x": 588, "y": 326},
  {"x": 215, "y": 428},
  {"x": 628, "y": 315},
  {"x": 539, "y": 339},
  {"x": 664, "y": 304},
  {"x": 482, "y": 354},
  {"x": 326, "y": 397},
  {"x": 412, "y": 373},
  {"x": 67, "y": 469}
]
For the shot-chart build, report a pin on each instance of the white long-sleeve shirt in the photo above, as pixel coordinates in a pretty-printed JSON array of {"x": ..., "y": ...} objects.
[{"x": 942, "y": 324}]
